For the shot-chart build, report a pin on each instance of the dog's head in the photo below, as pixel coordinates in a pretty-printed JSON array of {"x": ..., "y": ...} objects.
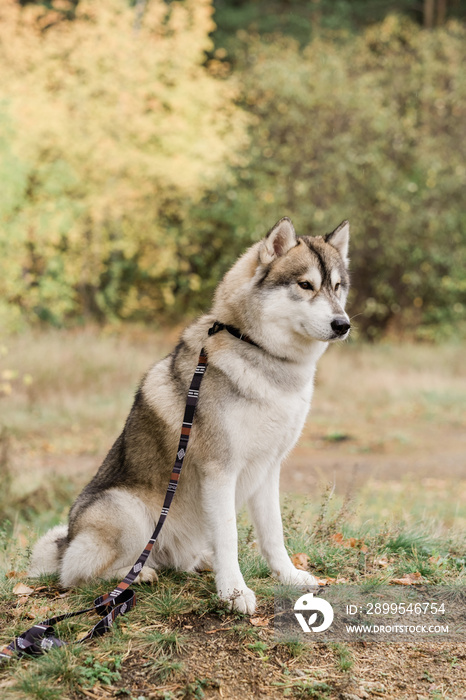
[
  {"x": 288, "y": 291},
  {"x": 303, "y": 281}
]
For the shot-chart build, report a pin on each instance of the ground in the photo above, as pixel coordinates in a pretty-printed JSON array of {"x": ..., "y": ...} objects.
[{"x": 381, "y": 462}]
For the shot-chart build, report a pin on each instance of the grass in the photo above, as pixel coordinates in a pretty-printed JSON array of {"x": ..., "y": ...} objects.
[
  {"x": 343, "y": 656},
  {"x": 180, "y": 641},
  {"x": 168, "y": 603},
  {"x": 167, "y": 642},
  {"x": 162, "y": 632},
  {"x": 294, "y": 645}
]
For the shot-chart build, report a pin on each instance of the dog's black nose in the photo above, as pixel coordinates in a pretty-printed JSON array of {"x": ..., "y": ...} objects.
[{"x": 340, "y": 325}]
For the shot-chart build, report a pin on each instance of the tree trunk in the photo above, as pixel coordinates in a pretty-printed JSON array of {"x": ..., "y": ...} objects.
[
  {"x": 441, "y": 12},
  {"x": 429, "y": 7},
  {"x": 316, "y": 14}
]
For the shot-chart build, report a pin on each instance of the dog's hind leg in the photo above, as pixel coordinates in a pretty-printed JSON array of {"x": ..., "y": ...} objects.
[
  {"x": 45, "y": 558},
  {"x": 89, "y": 557},
  {"x": 109, "y": 536}
]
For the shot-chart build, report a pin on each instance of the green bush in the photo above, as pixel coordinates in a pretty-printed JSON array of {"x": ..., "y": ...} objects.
[{"x": 372, "y": 129}]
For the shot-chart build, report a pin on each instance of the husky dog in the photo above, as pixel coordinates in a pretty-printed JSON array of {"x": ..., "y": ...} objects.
[{"x": 285, "y": 296}]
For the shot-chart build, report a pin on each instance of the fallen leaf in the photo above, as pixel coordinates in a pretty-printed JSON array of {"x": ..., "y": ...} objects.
[
  {"x": 325, "y": 581},
  {"x": 383, "y": 562},
  {"x": 338, "y": 538},
  {"x": 81, "y": 636},
  {"x": 411, "y": 579},
  {"x": 37, "y": 612},
  {"x": 22, "y": 589},
  {"x": 300, "y": 561},
  {"x": 15, "y": 574},
  {"x": 432, "y": 560},
  {"x": 259, "y": 621},
  {"x": 350, "y": 542}
]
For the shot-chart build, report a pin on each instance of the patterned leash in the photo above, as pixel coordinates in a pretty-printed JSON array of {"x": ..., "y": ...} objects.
[{"x": 41, "y": 637}]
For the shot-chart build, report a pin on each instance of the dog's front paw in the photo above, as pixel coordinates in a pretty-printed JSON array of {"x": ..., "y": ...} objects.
[
  {"x": 147, "y": 575},
  {"x": 299, "y": 579},
  {"x": 241, "y": 599}
]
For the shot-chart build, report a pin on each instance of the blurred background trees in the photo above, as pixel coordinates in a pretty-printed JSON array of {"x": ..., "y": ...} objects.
[{"x": 143, "y": 147}]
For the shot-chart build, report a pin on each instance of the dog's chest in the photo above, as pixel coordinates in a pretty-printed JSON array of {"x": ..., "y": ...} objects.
[
  {"x": 266, "y": 430},
  {"x": 260, "y": 436},
  {"x": 265, "y": 418}
]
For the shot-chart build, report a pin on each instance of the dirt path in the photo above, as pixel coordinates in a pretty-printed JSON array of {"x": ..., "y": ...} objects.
[
  {"x": 439, "y": 452},
  {"x": 347, "y": 460},
  {"x": 392, "y": 671}
]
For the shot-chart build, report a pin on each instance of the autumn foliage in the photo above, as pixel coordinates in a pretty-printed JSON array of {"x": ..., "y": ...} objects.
[
  {"x": 103, "y": 125},
  {"x": 137, "y": 161}
]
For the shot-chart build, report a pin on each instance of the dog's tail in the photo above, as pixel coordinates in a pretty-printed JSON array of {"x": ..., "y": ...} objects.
[{"x": 48, "y": 551}]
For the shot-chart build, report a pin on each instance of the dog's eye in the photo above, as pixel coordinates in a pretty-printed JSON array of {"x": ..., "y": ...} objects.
[
  {"x": 337, "y": 286},
  {"x": 306, "y": 285}
]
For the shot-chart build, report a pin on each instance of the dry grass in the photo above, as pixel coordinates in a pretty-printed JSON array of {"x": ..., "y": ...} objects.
[
  {"x": 79, "y": 380},
  {"x": 419, "y": 384},
  {"x": 385, "y": 413},
  {"x": 385, "y": 410},
  {"x": 83, "y": 383}
]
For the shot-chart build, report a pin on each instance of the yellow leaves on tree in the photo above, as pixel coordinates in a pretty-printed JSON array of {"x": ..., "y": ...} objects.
[{"x": 106, "y": 121}]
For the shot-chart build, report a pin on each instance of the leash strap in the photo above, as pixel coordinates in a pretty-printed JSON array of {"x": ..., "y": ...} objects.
[{"x": 41, "y": 637}]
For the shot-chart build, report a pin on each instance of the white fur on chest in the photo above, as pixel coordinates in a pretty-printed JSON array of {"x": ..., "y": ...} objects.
[
  {"x": 265, "y": 429},
  {"x": 264, "y": 420}
]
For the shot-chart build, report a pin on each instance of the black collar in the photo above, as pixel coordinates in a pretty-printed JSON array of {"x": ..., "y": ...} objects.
[{"x": 217, "y": 327}]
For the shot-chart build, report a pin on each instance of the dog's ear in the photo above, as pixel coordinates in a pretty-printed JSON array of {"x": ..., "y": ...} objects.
[
  {"x": 279, "y": 240},
  {"x": 339, "y": 239}
]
